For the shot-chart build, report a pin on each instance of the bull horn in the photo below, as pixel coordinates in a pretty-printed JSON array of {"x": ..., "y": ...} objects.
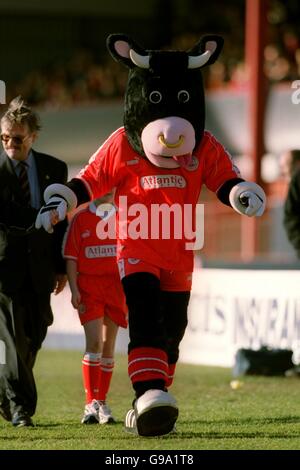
[
  {"x": 198, "y": 60},
  {"x": 141, "y": 61}
]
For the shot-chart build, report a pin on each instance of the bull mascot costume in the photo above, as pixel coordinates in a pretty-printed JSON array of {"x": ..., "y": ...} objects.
[{"x": 157, "y": 162}]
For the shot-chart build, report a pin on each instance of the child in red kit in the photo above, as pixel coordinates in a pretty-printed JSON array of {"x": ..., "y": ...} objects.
[{"x": 98, "y": 296}]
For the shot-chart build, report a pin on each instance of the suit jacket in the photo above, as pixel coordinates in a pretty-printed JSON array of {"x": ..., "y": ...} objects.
[
  {"x": 36, "y": 256},
  {"x": 291, "y": 218}
]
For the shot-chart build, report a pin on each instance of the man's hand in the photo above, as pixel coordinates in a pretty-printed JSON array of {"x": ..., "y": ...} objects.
[
  {"x": 248, "y": 198},
  {"x": 60, "y": 282},
  {"x": 51, "y": 213}
]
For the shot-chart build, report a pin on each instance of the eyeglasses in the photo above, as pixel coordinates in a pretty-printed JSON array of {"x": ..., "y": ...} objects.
[{"x": 17, "y": 139}]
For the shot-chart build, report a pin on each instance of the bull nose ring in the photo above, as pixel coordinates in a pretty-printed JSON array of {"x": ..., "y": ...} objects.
[{"x": 164, "y": 143}]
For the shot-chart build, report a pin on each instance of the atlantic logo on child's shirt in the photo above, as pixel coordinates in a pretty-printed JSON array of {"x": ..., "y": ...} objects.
[
  {"x": 100, "y": 251},
  {"x": 163, "y": 181}
]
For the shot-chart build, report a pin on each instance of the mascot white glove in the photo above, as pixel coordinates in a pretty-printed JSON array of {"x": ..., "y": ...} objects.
[
  {"x": 248, "y": 198},
  {"x": 59, "y": 200}
]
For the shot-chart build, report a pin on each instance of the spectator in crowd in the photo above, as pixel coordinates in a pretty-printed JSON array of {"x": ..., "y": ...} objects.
[
  {"x": 290, "y": 168},
  {"x": 98, "y": 296},
  {"x": 31, "y": 265},
  {"x": 289, "y": 161}
]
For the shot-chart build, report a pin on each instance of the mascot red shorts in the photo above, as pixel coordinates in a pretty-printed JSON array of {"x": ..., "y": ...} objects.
[{"x": 172, "y": 281}]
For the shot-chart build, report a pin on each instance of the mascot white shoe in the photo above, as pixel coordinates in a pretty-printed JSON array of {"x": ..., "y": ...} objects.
[{"x": 154, "y": 414}]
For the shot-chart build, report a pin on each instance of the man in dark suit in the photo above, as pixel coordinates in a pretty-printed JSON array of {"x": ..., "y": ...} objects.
[{"x": 31, "y": 264}]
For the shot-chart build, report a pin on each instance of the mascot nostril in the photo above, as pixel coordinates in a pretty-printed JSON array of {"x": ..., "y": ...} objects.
[{"x": 158, "y": 163}]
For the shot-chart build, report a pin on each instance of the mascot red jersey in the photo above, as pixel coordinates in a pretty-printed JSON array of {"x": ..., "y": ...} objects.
[{"x": 157, "y": 162}]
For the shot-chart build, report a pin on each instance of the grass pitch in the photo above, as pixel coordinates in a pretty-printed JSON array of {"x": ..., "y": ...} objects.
[{"x": 264, "y": 414}]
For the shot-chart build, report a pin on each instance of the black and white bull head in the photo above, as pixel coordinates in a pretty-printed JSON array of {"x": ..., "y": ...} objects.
[{"x": 164, "y": 103}]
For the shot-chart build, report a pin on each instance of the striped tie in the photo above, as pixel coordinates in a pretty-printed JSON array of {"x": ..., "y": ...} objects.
[{"x": 24, "y": 183}]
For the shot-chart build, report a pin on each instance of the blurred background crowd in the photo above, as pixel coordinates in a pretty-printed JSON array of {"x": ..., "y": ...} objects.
[{"x": 72, "y": 66}]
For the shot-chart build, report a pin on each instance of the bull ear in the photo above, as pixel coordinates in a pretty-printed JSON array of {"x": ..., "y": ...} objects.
[
  {"x": 210, "y": 46},
  {"x": 120, "y": 45}
]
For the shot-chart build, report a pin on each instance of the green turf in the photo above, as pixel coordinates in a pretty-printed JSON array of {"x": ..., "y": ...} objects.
[{"x": 263, "y": 414}]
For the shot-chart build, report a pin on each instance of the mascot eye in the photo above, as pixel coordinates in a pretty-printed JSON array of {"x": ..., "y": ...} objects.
[
  {"x": 155, "y": 97},
  {"x": 183, "y": 96}
]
